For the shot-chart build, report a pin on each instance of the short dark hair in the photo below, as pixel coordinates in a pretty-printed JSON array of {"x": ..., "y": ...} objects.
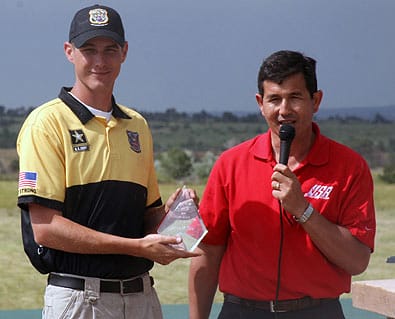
[{"x": 282, "y": 64}]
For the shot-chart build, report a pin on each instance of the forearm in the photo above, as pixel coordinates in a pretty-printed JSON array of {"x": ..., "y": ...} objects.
[
  {"x": 338, "y": 244},
  {"x": 54, "y": 231},
  {"x": 66, "y": 235},
  {"x": 202, "y": 288},
  {"x": 203, "y": 280}
]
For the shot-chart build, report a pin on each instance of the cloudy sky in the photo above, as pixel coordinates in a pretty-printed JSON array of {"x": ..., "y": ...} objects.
[{"x": 204, "y": 55}]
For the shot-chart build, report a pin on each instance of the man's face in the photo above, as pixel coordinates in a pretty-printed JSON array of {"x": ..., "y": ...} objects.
[
  {"x": 97, "y": 63},
  {"x": 288, "y": 103}
]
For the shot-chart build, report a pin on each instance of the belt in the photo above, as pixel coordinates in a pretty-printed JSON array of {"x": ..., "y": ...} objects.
[
  {"x": 280, "y": 305},
  {"x": 114, "y": 286}
]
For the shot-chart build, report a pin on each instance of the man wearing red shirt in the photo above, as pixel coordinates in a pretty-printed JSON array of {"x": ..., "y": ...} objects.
[{"x": 284, "y": 240}]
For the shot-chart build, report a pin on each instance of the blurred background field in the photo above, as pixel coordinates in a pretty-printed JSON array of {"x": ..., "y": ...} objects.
[{"x": 22, "y": 287}]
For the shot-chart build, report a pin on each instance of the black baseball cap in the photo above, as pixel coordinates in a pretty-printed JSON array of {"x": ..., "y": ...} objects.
[{"x": 96, "y": 21}]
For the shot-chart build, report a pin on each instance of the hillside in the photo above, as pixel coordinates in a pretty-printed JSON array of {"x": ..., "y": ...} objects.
[
  {"x": 365, "y": 113},
  {"x": 369, "y": 131}
]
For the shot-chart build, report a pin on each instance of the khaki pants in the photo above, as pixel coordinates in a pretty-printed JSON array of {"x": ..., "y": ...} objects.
[{"x": 68, "y": 303}]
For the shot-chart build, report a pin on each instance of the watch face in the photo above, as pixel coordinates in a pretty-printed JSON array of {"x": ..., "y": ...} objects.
[{"x": 306, "y": 215}]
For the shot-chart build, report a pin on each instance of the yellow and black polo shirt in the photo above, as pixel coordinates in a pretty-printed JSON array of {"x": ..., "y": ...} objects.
[{"x": 99, "y": 174}]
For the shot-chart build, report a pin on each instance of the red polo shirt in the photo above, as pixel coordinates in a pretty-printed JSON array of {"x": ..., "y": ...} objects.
[{"x": 240, "y": 212}]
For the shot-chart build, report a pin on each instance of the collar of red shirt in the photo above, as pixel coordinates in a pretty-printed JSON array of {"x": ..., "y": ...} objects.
[{"x": 318, "y": 155}]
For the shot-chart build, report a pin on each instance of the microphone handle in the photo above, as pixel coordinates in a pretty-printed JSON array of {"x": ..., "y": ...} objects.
[{"x": 285, "y": 147}]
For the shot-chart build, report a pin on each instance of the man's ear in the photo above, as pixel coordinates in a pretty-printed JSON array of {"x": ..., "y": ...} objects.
[
  {"x": 317, "y": 98},
  {"x": 68, "y": 51},
  {"x": 125, "y": 50},
  {"x": 259, "y": 101}
]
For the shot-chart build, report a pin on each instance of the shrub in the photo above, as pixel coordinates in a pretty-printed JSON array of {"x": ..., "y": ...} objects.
[{"x": 388, "y": 174}]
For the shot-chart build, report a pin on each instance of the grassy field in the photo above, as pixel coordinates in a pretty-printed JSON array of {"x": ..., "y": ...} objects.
[{"x": 22, "y": 287}]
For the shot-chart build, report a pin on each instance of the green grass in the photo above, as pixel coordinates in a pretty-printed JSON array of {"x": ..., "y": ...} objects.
[
  {"x": 22, "y": 287},
  {"x": 385, "y": 235}
]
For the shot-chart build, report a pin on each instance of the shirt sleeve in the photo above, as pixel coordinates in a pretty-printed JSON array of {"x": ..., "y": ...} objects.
[
  {"x": 358, "y": 213},
  {"x": 214, "y": 208},
  {"x": 153, "y": 197},
  {"x": 41, "y": 162}
]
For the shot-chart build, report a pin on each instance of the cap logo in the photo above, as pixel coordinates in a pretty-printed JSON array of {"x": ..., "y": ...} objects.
[{"x": 98, "y": 17}]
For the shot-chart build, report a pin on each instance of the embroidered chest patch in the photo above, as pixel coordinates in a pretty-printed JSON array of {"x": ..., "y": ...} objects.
[
  {"x": 79, "y": 141},
  {"x": 319, "y": 192},
  {"x": 134, "y": 142}
]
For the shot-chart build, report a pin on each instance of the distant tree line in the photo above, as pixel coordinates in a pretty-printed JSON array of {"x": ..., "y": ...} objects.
[
  {"x": 9, "y": 116},
  {"x": 172, "y": 114},
  {"x": 187, "y": 144}
]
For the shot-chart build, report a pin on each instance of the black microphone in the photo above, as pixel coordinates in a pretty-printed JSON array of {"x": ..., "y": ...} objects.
[{"x": 287, "y": 134}]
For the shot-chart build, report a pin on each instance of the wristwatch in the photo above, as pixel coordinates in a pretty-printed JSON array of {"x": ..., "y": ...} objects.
[{"x": 306, "y": 215}]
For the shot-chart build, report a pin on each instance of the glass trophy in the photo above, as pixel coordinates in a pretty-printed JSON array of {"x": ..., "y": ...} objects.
[{"x": 183, "y": 220}]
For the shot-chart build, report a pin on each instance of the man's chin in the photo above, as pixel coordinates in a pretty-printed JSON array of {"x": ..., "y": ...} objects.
[{"x": 100, "y": 86}]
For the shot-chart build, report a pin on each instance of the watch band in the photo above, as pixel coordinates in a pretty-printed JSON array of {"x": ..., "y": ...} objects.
[{"x": 306, "y": 215}]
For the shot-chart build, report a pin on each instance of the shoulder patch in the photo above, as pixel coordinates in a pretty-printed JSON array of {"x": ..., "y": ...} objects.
[
  {"x": 134, "y": 142},
  {"x": 27, "y": 182}
]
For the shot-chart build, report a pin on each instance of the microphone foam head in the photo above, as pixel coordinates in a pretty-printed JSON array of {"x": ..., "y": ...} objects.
[{"x": 287, "y": 132}]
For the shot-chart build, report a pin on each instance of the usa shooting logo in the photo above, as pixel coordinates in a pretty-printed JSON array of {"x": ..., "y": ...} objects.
[{"x": 319, "y": 192}]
